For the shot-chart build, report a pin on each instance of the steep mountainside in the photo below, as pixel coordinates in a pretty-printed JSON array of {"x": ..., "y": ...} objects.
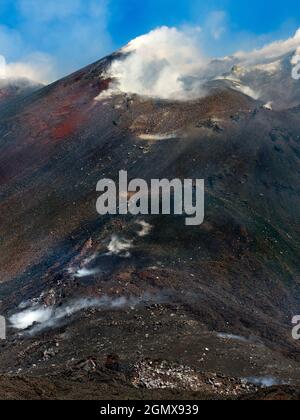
[{"x": 237, "y": 274}]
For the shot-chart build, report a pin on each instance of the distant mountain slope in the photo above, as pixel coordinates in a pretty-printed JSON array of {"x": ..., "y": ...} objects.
[
  {"x": 270, "y": 82},
  {"x": 11, "y": 89}
]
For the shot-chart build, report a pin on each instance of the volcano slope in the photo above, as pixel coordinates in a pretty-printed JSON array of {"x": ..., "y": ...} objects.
[{"x": 237, "y": 273}]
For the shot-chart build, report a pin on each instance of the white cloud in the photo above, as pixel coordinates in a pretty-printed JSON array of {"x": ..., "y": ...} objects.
[
  {"x": 18, "y": 60},
  {"x": 36, "y": 67},
  {"x": 54, "y": 38},
  {"x": 73, "y": 31}
]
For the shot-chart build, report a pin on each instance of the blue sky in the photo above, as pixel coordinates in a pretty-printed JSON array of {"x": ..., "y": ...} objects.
[
  {"x": 71, "y": 33},
  {"x": 254, "y": 16}
]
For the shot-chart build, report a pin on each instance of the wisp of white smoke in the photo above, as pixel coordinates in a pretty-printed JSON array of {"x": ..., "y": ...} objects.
[
  {"x": 47, "y": 317},
  {"x": 225, "y": 336},
  {"x": 85, "y": 272},
  {"x": 264, "y": 381},
  {"x": 145, "y": 228},
  {"x": 119, "y": 246}
]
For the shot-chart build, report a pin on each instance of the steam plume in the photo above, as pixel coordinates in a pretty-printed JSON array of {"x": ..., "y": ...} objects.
[{"x": 159, "y": 64}]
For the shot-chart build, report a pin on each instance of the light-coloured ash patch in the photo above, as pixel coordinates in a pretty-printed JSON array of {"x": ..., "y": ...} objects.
[{"x": 164, "y": 375}]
